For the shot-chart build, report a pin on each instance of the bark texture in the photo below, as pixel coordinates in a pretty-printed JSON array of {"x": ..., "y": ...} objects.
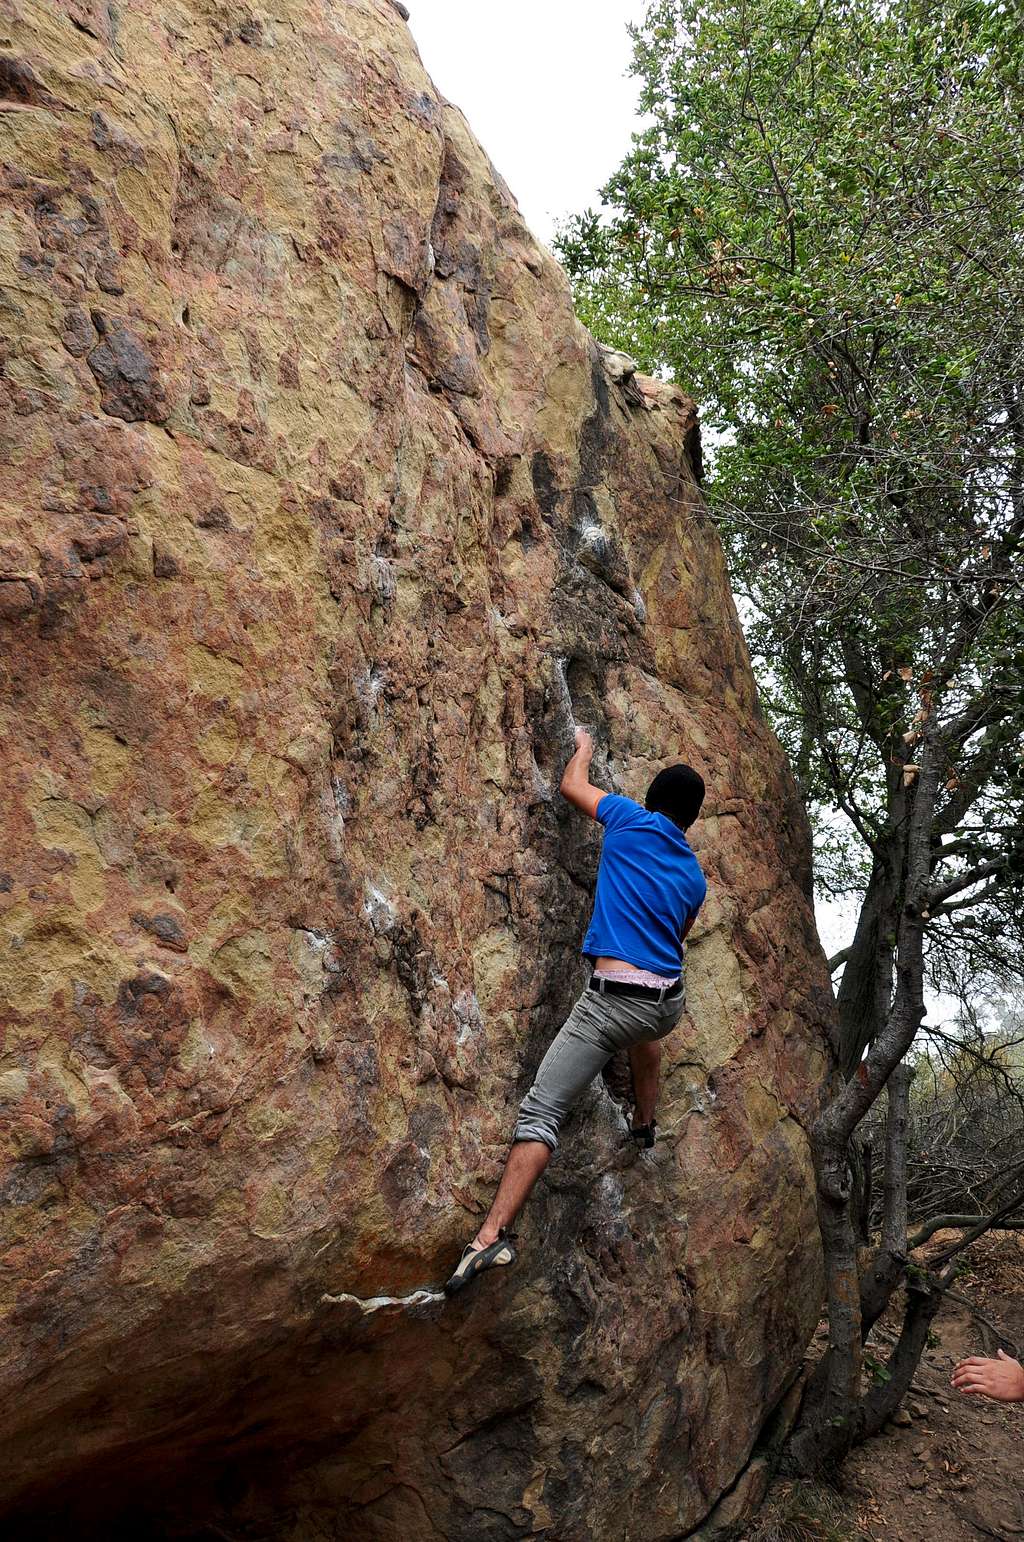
[{"x": 322, "y": 523}]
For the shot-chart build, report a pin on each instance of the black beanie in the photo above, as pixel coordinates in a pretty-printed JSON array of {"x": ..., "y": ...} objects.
[{"x": 677, "y": 792}]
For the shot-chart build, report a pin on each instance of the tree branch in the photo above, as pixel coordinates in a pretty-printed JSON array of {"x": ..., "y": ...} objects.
[
  {"x": 958, "y": 1223},
  {"x": 966, "y": 881},
  {"x": 984, "y": 1224}
]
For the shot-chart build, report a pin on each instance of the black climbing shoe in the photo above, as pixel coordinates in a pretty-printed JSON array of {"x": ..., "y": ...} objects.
[
  {"x": 644, "y": 1134},
  {"x": 475, "y": 1260}
]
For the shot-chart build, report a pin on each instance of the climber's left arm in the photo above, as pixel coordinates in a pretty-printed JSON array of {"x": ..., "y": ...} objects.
[{"x": 575, "y": 784}]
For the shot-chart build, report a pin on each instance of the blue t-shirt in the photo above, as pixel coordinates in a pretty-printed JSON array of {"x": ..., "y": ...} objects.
[{"x": 649, "y": 884}]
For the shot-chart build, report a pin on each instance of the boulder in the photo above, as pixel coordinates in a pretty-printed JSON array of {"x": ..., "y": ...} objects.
[{"x": 323, "y": 523}]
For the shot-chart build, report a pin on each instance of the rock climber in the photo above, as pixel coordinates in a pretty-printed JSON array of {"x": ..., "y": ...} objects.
[{"x": 649, "y": 890}]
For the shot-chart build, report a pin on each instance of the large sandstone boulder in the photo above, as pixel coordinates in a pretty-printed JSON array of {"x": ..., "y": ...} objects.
[{"x": 322, "y": 522}]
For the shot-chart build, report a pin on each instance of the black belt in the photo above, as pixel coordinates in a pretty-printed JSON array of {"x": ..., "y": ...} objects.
[{"x": 598, "y": 982}]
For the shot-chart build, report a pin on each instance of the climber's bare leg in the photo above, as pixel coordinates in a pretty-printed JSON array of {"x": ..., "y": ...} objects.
[
  {"x": 645, "y": 1062},
  {"x": 526, "y": 1161},
  {"x": 528, "y": 1158}
]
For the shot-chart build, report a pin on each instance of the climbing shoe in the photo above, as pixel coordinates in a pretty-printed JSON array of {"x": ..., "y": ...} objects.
[
  {"x": 475, "y": 1260},
  {"x": 644, "y": 1134}
]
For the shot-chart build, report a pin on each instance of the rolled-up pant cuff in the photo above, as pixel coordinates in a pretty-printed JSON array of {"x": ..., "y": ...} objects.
[
  {"x": 531, "y": 1132},
  {"x": 596, "y": 1028}
]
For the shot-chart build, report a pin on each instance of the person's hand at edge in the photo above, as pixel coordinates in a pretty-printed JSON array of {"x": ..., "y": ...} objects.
[{"x": 1001, "y": 1379}]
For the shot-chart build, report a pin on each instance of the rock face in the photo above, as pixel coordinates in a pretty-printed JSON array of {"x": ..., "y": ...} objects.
[{"x": 322, "y": 522}]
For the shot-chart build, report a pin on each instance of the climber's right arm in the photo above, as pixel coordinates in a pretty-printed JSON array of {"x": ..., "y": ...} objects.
[{"x": 575, "y": 784}]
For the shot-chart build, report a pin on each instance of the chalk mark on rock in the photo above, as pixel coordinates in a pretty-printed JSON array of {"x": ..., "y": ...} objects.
[{"x": 370, "y": 1304}]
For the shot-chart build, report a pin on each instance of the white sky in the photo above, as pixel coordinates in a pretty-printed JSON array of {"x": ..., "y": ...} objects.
[{"x": 544, "y": 86}]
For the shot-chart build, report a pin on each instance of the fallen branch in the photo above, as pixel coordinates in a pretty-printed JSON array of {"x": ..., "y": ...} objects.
[
  {"x": 982, "y": 1225},
  {"x": 959, "y": 1223}
]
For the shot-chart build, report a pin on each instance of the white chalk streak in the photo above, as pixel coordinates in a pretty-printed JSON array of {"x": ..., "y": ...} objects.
[{"x": 374, "y": 1303}]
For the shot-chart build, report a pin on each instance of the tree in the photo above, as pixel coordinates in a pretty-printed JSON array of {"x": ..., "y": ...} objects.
[{"x": 820, "y": 233}]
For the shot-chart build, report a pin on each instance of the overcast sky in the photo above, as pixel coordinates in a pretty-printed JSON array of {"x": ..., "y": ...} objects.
[{"x": 544, "y": 86}]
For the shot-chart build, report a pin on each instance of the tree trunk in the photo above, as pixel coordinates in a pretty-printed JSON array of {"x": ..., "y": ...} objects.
[
  {"x": 861, "y": 1160},
  {"x": 894, "y": 1215},
  {"x": 924, "y": 1297},
  {"x": 834, "y": 1415},
  {"x": 865, "y": 991}
]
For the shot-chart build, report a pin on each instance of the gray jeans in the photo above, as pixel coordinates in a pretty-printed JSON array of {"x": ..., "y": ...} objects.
[{"x": 597, "y": 1027}]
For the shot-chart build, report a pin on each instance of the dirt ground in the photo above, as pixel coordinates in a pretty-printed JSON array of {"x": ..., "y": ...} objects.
[{"x": 949, "y": 1467}]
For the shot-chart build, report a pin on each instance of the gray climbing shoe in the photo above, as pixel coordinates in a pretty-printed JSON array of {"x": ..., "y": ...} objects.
[{"x": 475, "y": 1260}]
